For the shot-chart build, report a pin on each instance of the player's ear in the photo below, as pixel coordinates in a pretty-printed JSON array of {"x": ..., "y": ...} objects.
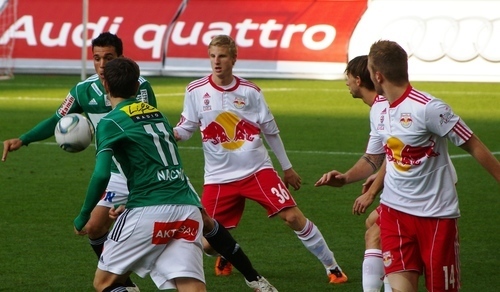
[{"x": 379, "y": 77}]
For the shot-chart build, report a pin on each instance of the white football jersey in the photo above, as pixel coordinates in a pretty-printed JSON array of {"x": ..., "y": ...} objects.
[
  {"x": 229, "y": 119},
  {"x": 413, "y": 132}
]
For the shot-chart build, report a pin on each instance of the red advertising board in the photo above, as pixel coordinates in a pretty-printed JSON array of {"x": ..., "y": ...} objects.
[{"x": 274, "y": 31}]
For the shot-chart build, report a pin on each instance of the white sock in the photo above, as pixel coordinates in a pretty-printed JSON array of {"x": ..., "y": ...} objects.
[
  {"x": 313, "y": 240},
  {"x": 387, "y": 286},
  {"x": 373, "y": 270}
]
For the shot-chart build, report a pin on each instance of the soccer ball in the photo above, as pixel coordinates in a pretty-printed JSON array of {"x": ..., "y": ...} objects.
[{"x": 74, "y": 132}]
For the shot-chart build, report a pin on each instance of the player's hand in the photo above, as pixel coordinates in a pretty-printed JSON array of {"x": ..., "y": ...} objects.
[
  {"x": 81, "y": 232},
  {"x": 115, "y": 212},
  {"x": 10, "y": 145},
  {"x": 332, "y": 178},
  {"x": 368, "y": 183},
  {"x": 291, "y": 178},
  {"x": 176, "y": 135},
  {"x": 362, "y": 203}
]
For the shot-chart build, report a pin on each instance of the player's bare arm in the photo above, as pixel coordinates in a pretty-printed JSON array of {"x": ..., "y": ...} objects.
[
  {"x": 364, "y": 201},
  {"x": 368, "y": 182},
  {"x": 483, "y": 155},
  {"x": 374, "y": 160},
  {"x": 11, "y": 145},
  {"x": 365, "y": 166}
]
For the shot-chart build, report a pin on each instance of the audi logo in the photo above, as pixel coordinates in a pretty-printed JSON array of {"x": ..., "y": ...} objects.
[{"x": 461, "y": 40}]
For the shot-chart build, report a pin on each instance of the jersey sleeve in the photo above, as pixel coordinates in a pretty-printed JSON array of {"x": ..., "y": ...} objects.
[
  {"x": 45, "y": 129},
  {"x": 41, "y": 131},
  {"x": 97, "y": 186},
  {"x": 441, "y": 120},
  {"x": 70, "y": 103},
  {"x": 375, "y": 143},
  {"x": 190, "y": 111},
  {"x": 265, "y": 114}
]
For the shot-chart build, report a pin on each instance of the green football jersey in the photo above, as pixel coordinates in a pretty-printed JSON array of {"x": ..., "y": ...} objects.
[{"x": 143, "y": 142}]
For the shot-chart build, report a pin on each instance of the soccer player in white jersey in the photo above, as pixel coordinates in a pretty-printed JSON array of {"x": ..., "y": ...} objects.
[
  {"x": 232, "y": 116},
  {"x": 419, "y": 202},
  {"x": 361, "y": 87}
]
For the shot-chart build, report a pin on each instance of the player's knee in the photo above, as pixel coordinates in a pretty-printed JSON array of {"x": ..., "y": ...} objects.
[
  {"x": 294, "y": 218},
  {"x": 99, "y": 223},
  {"x": 100, "y": 286},
  {"x": 96, "y": 229}
]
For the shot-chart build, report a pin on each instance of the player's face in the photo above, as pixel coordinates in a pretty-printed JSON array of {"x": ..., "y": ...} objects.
[
  {"x": 101, "y": 56},
  {"x": 353, "y": 85},
  {"x": 222, "y": 64}
]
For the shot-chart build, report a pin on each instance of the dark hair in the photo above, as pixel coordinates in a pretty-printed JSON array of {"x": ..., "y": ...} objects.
[
  {"x": 390, "y": 59},
  {"x": 358, "y": 67},
  {"x": 121, "y": 75},
  {"x": 107, "y": 39}
]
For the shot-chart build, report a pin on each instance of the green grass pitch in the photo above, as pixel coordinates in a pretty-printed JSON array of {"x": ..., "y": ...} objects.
[{"x": 323, "y": 128}]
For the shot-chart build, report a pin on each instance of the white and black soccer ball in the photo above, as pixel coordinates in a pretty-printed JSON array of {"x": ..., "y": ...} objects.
[{"x": 74, "y": 133}]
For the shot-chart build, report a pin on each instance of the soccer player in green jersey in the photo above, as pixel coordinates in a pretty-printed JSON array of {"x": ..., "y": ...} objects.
[
  {"x": 89, "y": 97},
  {"x": 160, "y": 231}
]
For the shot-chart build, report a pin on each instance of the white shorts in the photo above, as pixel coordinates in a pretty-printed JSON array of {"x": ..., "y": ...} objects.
[
  {"x": 116, "y": 191},
  {"x": 162, "y": 241}
]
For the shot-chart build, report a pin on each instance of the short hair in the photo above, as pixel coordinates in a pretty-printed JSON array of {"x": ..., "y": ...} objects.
[
  {"x": 121, "y": 75},
  {"x": 358, "y": 67},
  {"x": 224, "y": 41},
  {"x": 107, "y": 39},
  {"x": 390, "y": 59}
]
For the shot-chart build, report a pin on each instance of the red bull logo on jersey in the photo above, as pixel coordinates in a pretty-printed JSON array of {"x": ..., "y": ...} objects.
[
  {"x": 387, "y": 258},
  {"x": 229, "y": 131},
  {"x": 405, "y": 156},
  {"x": 405, "y": 120},
  {"x": 163, "y": 232},
  {"x": 239, "y": 102}
]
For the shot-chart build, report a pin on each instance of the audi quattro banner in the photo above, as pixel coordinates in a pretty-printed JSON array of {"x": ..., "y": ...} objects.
[
  {"x": 446, "y": 40},
  {"x": 275, "y": 38}
]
